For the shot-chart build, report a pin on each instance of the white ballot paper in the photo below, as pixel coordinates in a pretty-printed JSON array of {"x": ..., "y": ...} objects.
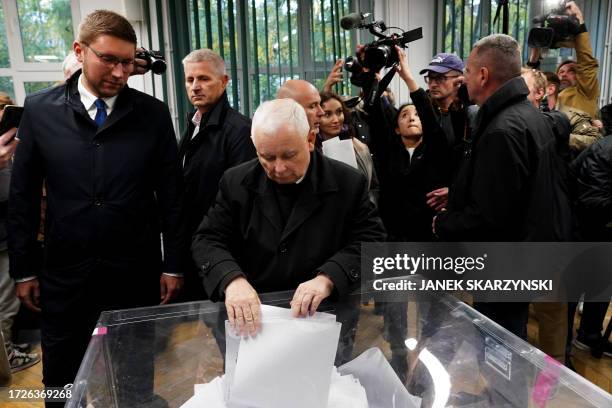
[
  {"x": 287, "y": 364},
  {"x": 341, "y": 150},
  {"x": 346, "y": 392},
  {"x": 232, "y": 340},
  {"x": 208, "y": 395},
  {"x": 382, "y": 386}
]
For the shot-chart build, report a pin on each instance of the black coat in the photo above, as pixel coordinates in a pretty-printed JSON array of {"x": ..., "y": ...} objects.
[
  {"x": 110, "y": 192},
  {"x": 222, "y": 142},
  {"x": 242, "y": 233},
  {"x": 593, "y": 172},
  {"x": 509, "y": 187},
  {"x": 405, "y": 181}
]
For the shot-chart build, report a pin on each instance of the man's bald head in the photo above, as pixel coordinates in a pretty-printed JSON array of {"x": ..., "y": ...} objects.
[{"x": 304, "y": 93}]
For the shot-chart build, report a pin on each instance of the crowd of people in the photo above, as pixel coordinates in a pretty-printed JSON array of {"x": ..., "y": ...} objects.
[{"x": 490, "y": 151}]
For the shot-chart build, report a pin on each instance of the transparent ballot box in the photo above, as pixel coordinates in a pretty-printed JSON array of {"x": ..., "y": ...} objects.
[{"x": 434, "y": 352}]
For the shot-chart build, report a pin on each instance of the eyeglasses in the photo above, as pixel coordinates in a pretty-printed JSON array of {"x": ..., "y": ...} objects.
[
  {"x": 439, "y": 79},
  {"x": 111, "y": 60}
]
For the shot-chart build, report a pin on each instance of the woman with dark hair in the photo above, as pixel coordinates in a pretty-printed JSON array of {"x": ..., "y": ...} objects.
[
  {"x": 336, "y": 123},
  {"x": 412, "y": 159}
]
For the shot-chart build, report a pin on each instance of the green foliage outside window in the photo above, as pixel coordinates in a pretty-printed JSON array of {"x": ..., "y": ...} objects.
[
  {"x": 4, "y": 53},
  {"x": 46, "y": 29},
  {"x": 6, "y": 86},
  {"x": 31, "y": 87},
  {"x": 467, "y": 21},
  {"x": 285, "y": 39}
]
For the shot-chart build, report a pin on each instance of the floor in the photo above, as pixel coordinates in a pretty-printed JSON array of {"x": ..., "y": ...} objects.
[{"x": 598, "y": 371}]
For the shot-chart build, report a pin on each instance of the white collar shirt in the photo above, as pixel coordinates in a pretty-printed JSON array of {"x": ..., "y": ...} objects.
[{"x": 88, "y": 100}]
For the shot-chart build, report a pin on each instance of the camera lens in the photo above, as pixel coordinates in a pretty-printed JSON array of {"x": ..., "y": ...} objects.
[
  {"x": 351, "y": 64},
  {"x": 377, "y": 57},
  {"x": 158, "y": 66}
]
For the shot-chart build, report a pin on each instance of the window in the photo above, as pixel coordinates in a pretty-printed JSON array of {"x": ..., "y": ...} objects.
[
  {"x": 266, "y": 42},
  {"x": 4, "y": 53},
  {"x": 466, "y": 21},
  {"x": 39, "y": 37},
  {"x": 6, "y": 86},
  {"x": 46, "y": 30},
  {"x": 34, "y": 86},
  {"x": 6, "y": 82}
]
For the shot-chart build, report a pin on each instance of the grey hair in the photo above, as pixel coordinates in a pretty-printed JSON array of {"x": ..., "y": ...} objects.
[
  {"x": 273, "y": 115},
  {"x": 70, "y": 65},
  {"x": 501, "y": 54},
  {"x": 208, "y": 55}
]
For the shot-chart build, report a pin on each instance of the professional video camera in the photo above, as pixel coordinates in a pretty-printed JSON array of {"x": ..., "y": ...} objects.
[
  {"x": 156, "y": 61},
  {"x": 377, "y": 54},
  {"x": 555, "y": 27}
]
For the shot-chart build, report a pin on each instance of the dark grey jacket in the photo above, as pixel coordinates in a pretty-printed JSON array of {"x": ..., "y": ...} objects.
[{"x": 509, "y": 187}]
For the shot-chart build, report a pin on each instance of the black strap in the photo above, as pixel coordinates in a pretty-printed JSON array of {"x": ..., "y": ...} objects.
[{"x": 503, "y": 6}]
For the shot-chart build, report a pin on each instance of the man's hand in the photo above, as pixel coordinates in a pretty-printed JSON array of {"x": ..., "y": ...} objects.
[
  {"x": 457, "y": 82},
  {"x": 438, "y": 198},
  {"x": 403, "y": 69},
  {"x": 309, "y": 295},
  {"x": 28, "y": 293},
  {"x": 572, "y": 9},
  {"x": 170, "y": 287},
  {"x": 242, "y": 304},
  {"x": 7, "y": 149},
  {"x": 140, "y": 65},
  {"x": 334, "y": 76}
]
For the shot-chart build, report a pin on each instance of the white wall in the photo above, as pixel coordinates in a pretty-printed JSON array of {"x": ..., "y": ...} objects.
[{"x": 410, "y": 14}]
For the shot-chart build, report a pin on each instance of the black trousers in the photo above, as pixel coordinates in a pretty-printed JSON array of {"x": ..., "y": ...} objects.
[
  {"x": 593, "y": 315},
  {"x": 64, "y": 342}
]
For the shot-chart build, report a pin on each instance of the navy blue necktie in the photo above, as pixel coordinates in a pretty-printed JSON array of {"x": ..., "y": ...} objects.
[{"x": 101, "y": 111}]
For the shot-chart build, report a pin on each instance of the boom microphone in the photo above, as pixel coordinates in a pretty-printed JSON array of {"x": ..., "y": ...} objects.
[{"x": 353, "y": 20}]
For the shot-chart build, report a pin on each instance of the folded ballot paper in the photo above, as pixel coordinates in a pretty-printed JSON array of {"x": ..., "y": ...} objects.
[
  {"x": 289, "y": 363},
  {"x": 341, "y": 150}
]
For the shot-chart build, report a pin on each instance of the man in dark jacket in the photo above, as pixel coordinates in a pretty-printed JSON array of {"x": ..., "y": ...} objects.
[
  {"x": 216, "y": 139},
  {"x": 108, "y": 155},
  {"x": 507, "y": 188},
  {"x": 593, "y": 172},
  {"x": 293, "y": 219}
]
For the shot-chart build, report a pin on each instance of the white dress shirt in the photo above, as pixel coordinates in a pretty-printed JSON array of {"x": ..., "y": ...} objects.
[{"x": 88, "y": 100}]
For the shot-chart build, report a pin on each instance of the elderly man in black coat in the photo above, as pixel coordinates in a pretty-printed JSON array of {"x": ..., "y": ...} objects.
[
  {"x": 217, "y": 138},
  {"x": 291, "y": 219},
  {"x": 108, "y": 156},
  {"x": 509, "y": 187}
]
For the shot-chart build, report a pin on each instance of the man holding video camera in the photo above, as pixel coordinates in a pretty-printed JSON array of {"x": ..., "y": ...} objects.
[
  {"x": 580, "y": 92},
  {"x": 579, "y": 83}
]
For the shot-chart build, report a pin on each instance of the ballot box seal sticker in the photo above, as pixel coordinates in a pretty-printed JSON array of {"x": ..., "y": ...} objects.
[{"x": 498, "y": 357}]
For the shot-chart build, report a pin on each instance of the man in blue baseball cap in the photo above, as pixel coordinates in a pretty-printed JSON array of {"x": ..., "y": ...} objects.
[{"x": 444, "y": 78}]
